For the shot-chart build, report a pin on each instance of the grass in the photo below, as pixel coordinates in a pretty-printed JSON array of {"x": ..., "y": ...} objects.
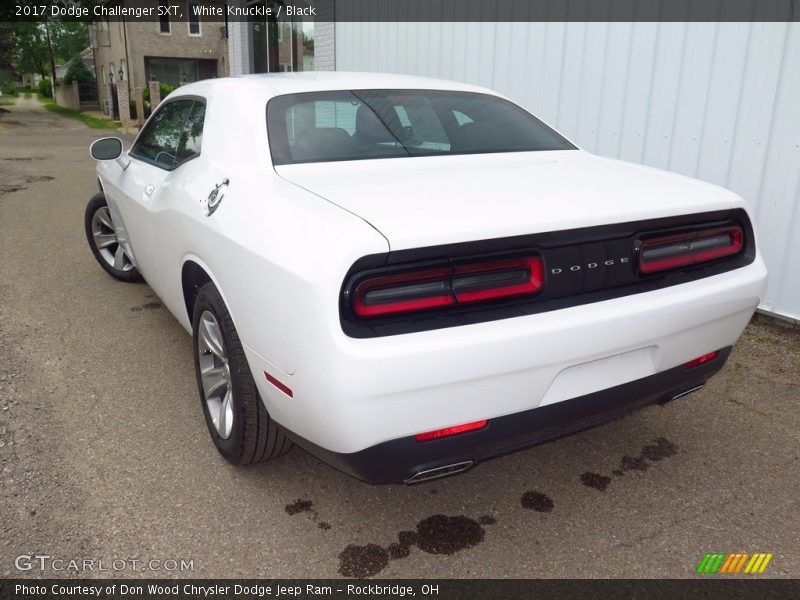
[
  {"x": 28, "y": 95},
  {"x": 89, "y": 121},
  {"x": 7, "y": 100}
]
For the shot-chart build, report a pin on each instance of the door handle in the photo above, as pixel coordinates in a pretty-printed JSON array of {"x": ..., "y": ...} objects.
[{"x": 149, "y": 189}]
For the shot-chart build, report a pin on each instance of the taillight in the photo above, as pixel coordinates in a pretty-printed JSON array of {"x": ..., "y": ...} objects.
[
  {"x": 436, "y": 288},
  {"x": 670, "y": 252},
  {"x": 403, "y": 293}
]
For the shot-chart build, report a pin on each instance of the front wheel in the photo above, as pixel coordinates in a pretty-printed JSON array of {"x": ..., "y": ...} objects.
[
  {"x": 101, "y": 233},
  {"x": 237, "y": 420}
]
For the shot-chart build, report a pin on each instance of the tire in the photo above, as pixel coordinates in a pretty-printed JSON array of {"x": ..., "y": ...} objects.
[
  {"x": 102, "y": 237},
  {"x": 237, "y": 420}
]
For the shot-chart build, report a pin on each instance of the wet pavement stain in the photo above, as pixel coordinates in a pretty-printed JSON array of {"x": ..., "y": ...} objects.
[
  {"x": 659, "y": 450},
  {"x": 595, "y": 480},
  {"x": 441, "y": 534},
  {"x": 487, "y": 520},
  {"x": 136, "y": 308},
  {"x": 362, "y": 561},
  {"x": 632, "y": 463},
  {"x": 302, "y": 505},
  {"x": 397, "y": 550},
  {"x": 662, "y": 449},
  {"x": 536, "y": 501},
  {"x": 438, "y": 534},
  {"x": 299, "y": 506}
]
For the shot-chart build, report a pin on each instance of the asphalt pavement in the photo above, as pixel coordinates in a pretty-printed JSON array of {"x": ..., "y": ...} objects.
[{"x": 105, "y": 455}]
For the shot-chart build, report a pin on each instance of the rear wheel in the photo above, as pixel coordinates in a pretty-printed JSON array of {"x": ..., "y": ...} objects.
[
  {"x": 101, "y": 233},
  {"x": 237, "y": 420}
]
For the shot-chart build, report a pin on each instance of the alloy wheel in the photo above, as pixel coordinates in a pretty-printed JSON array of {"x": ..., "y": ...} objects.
[
  {"x": 105, "y": 239},
  {"x": 215, "y": 374}
]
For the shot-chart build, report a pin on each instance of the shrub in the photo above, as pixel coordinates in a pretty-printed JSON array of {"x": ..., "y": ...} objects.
[
  {"x": 9, "y": 88},
  {"x": 45, "y": 88},
  {"x": 164, "y": 88}
]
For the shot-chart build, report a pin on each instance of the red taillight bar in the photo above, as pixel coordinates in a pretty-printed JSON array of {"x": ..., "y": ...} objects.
[
  {"x": 448, "y": 431},
  {"x": 464, "y": 284},
  {"x": 670, "y": 252}
]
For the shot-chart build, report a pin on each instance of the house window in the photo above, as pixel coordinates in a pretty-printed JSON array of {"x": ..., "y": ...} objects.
[
  {"x": 278, "y": 43},
  {"x": 164, "y": 25},
  {"x": 194, "y": 18}
]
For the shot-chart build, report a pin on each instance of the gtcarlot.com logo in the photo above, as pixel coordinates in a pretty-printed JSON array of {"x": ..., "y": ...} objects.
[
  {"x": 45, "y": 562},
  {"x": 734, "y": 563}
]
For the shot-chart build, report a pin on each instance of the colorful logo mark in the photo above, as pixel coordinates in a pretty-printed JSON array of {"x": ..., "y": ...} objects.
[{"x": 731, "y": 564}]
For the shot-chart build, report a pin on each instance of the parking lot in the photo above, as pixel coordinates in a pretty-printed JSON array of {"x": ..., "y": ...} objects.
[{"x": 105, "y": 455}]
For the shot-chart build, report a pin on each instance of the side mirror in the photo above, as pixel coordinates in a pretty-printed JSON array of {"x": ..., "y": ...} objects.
[{"x": 109, "y": 148}]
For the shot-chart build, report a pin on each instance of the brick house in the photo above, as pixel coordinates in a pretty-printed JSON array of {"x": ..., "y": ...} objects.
[{"x": 168, "y": 50}]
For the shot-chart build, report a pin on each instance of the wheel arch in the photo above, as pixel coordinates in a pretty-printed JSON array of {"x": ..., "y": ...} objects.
[{"x": 195, "y": 273}]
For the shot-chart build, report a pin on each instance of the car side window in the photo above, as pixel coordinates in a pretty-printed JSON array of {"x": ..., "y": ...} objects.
[
  {"x": 192, "y": 139},
  {"x": 159, "y": 142}
]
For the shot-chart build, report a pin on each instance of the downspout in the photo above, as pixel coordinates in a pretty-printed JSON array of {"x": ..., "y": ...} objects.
[{"x": 127, "y": 60}]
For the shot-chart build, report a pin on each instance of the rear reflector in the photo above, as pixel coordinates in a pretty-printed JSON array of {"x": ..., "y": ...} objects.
[
  {"x": 670, "y": 252},
  {"x": 701, "y": 360},
  {"x": 284, "y": 388},
  {"x": 436, "y": 288},
  {"x": 448, "y": 431}
]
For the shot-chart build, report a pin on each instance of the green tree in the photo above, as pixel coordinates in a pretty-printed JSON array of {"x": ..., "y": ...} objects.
[
  {"x": 24, "y": 48},
  {"x": 30, "y": 54},
  {"x": 69, "y": 39},
  {"x": 7, "y": 46},
  {"x": 78, "y": 71}
]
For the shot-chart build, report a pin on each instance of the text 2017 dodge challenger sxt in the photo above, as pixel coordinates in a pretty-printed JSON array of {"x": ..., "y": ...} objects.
[{"x": 407, "y": 276}]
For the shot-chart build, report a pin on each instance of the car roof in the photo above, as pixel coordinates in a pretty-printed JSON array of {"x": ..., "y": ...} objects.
[{"x": 274, "y": 84}]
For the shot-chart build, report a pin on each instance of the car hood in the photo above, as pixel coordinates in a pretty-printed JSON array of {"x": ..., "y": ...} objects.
[{"x": 425, "y": 201}]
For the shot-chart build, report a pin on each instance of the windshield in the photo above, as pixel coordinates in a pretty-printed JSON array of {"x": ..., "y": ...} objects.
[{"x": 363, "y": 124}]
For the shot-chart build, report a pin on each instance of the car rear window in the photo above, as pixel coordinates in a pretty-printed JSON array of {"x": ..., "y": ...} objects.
[{"x": 364, "y": 124}]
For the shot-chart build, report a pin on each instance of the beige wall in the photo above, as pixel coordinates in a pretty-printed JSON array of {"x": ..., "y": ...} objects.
[
  {"x": 145, "y": 40},
  {"x": 67, "y": 95}
]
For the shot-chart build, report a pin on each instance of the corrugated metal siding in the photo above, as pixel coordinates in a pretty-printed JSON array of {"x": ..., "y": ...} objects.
[{"x": 717, "y": 101}]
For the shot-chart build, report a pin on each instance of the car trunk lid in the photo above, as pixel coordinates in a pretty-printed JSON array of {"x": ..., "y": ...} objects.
[{"x": 423, "y": 201}]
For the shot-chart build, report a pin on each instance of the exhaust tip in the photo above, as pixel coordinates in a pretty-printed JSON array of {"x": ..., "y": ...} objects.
[
  {"x": 686, "y": 392},
  {"x": 439, "y": 472}
]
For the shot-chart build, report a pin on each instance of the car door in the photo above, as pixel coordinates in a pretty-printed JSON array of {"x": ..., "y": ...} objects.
[
  {"x": 153, "y": 156},
  {"x": 181, "y": 208}
]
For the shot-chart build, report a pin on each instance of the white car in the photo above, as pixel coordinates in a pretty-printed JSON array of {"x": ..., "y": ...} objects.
[{"x": 407, "y": 276}]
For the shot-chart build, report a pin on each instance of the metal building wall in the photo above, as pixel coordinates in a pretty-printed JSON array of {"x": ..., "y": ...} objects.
[{"x": 716, "y": 101}]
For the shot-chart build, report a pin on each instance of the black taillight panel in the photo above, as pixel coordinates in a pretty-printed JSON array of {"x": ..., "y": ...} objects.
[{"x": 578, "y": 266}]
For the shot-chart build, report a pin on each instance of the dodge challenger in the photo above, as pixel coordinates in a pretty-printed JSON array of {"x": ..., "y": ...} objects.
[{"x": 407, "y": 276}]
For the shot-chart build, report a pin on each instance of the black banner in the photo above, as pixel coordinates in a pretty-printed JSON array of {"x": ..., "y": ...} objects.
[
  {"x": 443, "y": 589},
  {"x": 404, "y": 10}
]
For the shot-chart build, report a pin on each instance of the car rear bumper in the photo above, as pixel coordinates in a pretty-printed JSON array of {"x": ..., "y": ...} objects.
[
  {"x": 407, "y": 460},
  {"x": 349, "y": 394}
]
